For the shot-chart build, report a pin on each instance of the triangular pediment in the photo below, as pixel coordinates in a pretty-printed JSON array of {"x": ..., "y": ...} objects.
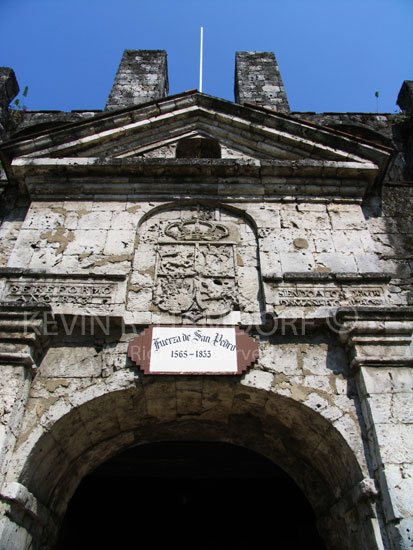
[
  {"x": 144, "y": 135},
  {"x": 249, "y": 130}
]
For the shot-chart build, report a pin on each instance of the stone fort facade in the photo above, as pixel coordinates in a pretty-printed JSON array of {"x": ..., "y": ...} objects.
[{"x": 189, "y": 210}]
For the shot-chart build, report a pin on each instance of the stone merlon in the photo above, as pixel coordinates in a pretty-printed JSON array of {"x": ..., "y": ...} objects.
[
  {"x": 142, "y": 76},
  {"x": 405, "y": 97},
  {"x": 8, "y": 86},
  {"x": 258, "y": 80}
]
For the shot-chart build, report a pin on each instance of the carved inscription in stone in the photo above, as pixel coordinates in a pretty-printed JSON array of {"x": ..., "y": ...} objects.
[
  {"x": 75, "y": 292},
  {"x": 196, "y": 274},
  {"x": 329, "y": 295}
]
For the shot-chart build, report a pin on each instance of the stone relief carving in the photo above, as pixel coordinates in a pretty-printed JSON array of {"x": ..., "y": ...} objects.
[
  {"x": 73, "y": 292},
  {"x": 328, "y": 295},
  {"x": 196, "y": 229},
  {"x": 196, "y": 273}
]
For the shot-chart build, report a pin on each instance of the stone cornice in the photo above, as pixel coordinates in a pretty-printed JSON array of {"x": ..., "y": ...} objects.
[
  {"x": 170, "y": 178},
  {"x": 315, "y": 277},
  {"x": 8, "y": 272},
  {"x": 23, "y": 334},
  {"x": 100, "y": 156},
  {"x": 377, "y": 337},
  {"x": 383, "y": 314}
]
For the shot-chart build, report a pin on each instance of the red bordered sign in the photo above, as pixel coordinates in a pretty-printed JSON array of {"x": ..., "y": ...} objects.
[{"x": 188, "y": 349}]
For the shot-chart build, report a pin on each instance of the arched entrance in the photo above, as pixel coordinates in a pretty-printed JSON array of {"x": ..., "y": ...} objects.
[
  {"x": 191, "y": 494},
  {"x": 131, "y": 413}
]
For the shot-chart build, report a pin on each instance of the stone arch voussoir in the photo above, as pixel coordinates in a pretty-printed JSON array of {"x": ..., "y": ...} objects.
[{"x": 299, "y": 440}]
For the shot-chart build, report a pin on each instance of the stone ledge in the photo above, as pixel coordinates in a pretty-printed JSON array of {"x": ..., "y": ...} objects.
[
  {"x": 381, "y": 362},
  {"x": 23, "y": 337},
  {"x": 9, "y": 309},
  {"x": 18, "y": 494},
  {"x": 34, "y": 273},
  {"x": 373, "y": 313},
  {"x": 377, "y": 337},
  {"x": 311, "y": 276}
]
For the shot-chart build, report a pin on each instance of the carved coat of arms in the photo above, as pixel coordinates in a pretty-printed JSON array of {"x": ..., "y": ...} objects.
[{"x": 196, "y": 271}]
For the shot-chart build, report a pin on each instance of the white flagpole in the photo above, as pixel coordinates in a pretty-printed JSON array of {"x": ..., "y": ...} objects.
[{"x": 200, "y": 59}]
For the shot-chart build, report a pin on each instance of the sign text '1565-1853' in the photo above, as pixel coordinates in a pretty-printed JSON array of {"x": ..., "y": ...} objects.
[{"x": 193, "y": 350}]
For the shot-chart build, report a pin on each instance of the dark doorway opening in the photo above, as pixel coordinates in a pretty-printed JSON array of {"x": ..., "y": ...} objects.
[{"x": 189, "y": 495}]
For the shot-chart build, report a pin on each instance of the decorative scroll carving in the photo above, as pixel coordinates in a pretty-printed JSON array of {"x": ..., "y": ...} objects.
[
  {"x": 195, "y": 278},
  {"x": 196, "y": 229}
]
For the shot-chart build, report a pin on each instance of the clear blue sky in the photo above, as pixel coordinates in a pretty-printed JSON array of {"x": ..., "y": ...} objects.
[{"x": 333, "y": 54}]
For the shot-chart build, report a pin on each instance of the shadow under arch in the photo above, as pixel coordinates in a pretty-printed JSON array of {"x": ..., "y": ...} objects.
[
  {"x": 189, "y": 494},
  {"x": 297, "y": 439}
]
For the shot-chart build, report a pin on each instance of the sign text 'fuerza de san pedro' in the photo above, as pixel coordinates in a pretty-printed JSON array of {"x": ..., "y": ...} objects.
[{"x": 193, "y": 350}]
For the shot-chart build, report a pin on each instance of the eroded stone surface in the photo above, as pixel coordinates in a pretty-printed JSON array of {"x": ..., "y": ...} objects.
[{"x": 280, "y": 234}]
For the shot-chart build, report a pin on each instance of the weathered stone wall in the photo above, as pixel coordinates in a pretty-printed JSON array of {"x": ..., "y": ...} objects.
[
  {"x": 384, "y": 128},
  {"x": 31, "y": 122},
  {"x": 388, "y": 404},
  {"x": 13, "y": 213},
  {"x": 78, "y": 235},
  {"x": 393, "y": 234},
  {"x": 89, "y": 404},
  {"x": 283, "y": 243},
  {"x": 327, "y": 246},
  {"x": 313, "y": 258},
  {"x": 295, "y": 236},
  {"x": 388, "y": 210}
]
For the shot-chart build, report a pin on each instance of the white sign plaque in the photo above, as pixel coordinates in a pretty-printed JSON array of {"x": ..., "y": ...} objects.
[{"x": 189, "y": 349}]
